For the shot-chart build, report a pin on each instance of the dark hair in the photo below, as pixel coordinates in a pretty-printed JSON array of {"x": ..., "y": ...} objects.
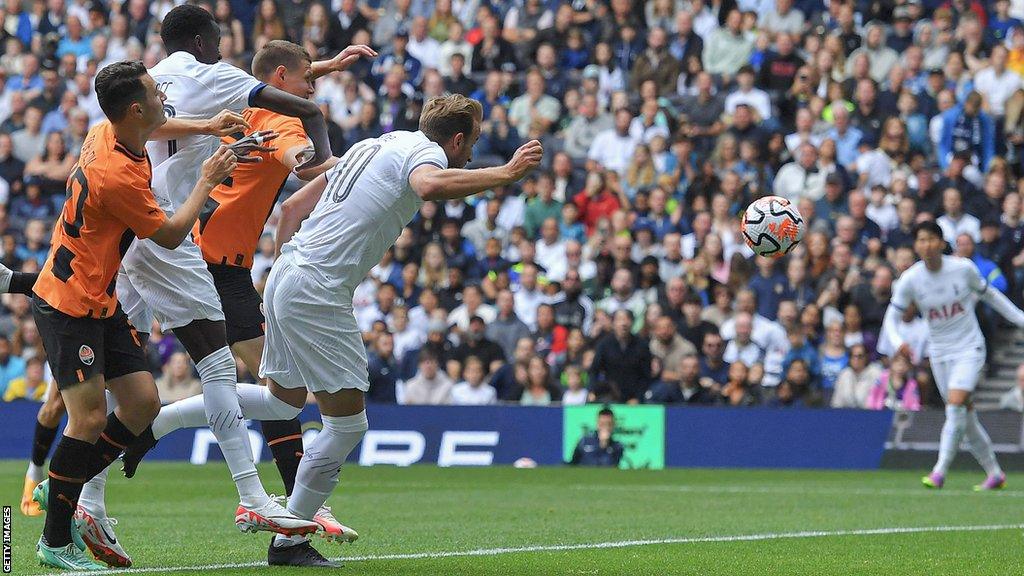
[
  {"x": 118, "y": 86},
  {"x": 606, "y": 411},
  {"x": 930, "y": 226},
  {"x": 182, "y": 24},
  {"x": 278, "y": 53}
]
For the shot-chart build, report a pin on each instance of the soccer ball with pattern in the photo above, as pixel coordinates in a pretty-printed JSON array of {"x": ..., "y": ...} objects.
[{"x": 772, "y": 226}]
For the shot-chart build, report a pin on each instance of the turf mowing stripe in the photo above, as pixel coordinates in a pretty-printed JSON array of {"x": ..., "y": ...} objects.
[
  {"x": 802, "y": 490},
  {"x": 598, "y": 545}
]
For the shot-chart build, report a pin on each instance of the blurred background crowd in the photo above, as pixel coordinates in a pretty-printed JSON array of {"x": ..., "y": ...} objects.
[{"x": 618, "y": 272}]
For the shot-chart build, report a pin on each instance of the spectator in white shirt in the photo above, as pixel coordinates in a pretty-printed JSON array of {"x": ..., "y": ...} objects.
[
  {"x": 613, "y": 148},
  {"x": 473, "y": 390},
  {"x": 995, "y": 83},
  {"x": 576, "y": 393},
  {"x": 801, "y": 178},
  {"x": 421, "y": 46},
  {"x": 955, "y": 221},
  {"x": 550, "y": 250},
  {"x": 804, "y": 132},
  {"x": 529, "y": 297},
  {"x": 454, "y": 44},
  {"x": 747, "y": 93},
  {"x": 472, "y": 305},
  {"x": 742, "y": 348}
]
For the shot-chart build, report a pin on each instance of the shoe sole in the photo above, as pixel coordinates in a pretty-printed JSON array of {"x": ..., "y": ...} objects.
[
  {"x": 251, "y": 523},
  {"x": 102, "y": 552}
]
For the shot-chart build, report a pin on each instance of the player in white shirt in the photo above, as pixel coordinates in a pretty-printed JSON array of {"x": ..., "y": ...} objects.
[
  {"x": 349, "y": 218},
  {"x": 946, "y": 289},
  {"x": 175, "y": 285}
]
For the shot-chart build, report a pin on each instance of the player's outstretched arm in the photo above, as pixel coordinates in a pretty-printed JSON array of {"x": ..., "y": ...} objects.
[
  {"x": 305, "y": 110},
  {"x": 296, "y": 209},
  {"x": 433, "y": 183},
  {"x": 223, "y": 124},
  {"x": 215, "y": 170},
  {"x": 343, "y": 60},
  {"x": 1000, "y": 303}
]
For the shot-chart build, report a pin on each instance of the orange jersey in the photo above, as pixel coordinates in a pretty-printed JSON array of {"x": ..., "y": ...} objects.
[
  {"x": 109, "y": 203},
  {"x": 231, "y": 223}
]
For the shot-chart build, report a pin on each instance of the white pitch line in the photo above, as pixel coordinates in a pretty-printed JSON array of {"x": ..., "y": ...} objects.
[{"x": 591, "y": 546}]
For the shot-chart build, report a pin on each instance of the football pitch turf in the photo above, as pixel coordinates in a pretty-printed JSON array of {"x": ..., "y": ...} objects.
[{"x": 178, "y": 518}]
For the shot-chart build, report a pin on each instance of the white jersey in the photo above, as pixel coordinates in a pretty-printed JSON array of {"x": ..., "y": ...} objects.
[
  {"x": 946, "y": 299},
  {"x": 194, "y": 91},
  {"x": 367, "y": 203}
]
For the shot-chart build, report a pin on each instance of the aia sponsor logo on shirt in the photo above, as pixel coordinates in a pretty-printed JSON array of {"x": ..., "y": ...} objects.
[{"x": 945, "y": 312}]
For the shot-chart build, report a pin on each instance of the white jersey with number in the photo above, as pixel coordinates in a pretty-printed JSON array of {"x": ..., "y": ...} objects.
[
  {"x": 946, "y": 299},
  {"x": 367, "y": 202},
  {"x": 194, "y": 91}
]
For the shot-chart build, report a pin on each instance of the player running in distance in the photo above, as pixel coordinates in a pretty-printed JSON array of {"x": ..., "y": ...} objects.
[
  {"x": 946, "y": 290},
  {"x": 90, "y": 344},
  {"x": 349, "y": 218}
]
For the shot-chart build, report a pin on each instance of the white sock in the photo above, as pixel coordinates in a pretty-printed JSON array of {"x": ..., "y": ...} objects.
[
  {"x": 224, "y": 416},
  {"x": 257, "y": 403},
  {"x": 281, "y": 541},
  {"x": 93, "y": 497},
  {"x": 980, "y": 445},
  {"x": 36, "y": 473},
  {"x": 952, "y": 433},
  {"x": 318, "y": 470}
]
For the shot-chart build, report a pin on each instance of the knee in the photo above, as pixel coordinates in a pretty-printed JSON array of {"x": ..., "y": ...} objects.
[
  {"x": 281, "y": 409},
  {"x": 51, "y": 413},
  {"x": 88, "y": 425}
]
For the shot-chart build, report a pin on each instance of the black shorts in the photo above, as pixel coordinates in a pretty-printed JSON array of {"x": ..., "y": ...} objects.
[
  {"x": 79, "y": 348},
  {"x": 242, "y": 305}
]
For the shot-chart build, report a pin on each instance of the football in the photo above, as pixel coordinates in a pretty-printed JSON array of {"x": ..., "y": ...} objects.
[{"x": 772, "y": 226}]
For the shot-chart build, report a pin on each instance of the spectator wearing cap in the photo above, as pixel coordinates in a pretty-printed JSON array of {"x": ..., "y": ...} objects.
[
  {"x": 534, "y": 106},
  {"x": 901, "y": 37},
  {"x": 728, "y": 49},
  {"x": 747, "y": 93}
]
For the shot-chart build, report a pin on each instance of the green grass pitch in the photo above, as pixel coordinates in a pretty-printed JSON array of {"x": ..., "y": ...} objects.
[{"x": 728, "y": 522}]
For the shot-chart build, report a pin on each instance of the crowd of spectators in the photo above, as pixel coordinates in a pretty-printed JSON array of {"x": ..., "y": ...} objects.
[{"x": 617, "y": 272}]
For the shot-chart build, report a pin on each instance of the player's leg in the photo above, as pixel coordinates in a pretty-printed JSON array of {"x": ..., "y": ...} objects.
[
  {"x": 954, "y": 426},
  {"x": 47, "y": 421},
  {"x": 964, "y": 380},
  {"x": 282, "y": 435},
  {"x": 244, "y": 322}
]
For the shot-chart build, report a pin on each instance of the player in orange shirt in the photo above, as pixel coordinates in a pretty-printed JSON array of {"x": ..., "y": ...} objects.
[{"x": 90, "y": 344}]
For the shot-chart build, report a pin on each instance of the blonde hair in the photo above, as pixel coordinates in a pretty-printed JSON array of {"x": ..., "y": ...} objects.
[{"x": 445, "y": 116}]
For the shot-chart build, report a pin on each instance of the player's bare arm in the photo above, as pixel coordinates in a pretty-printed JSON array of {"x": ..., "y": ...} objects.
[
  {"x": 433, "y": 183},
  {"x": 343, "y": 60},
  {"x": 223, "y": 124},
  {"x": 296, "y": 209},
  {"x": 215, "y": 170},
  {"x": 308, "y": 112}
]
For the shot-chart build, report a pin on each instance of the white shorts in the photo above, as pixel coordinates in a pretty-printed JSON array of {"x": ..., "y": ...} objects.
[
  {"x": 174, "y": 284},
  {"x": 959, "y": 373},
  {"x": 312, "y": 339},
  {"x": 132, "y": 304}
]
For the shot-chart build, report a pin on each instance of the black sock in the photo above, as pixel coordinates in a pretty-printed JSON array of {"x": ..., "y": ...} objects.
[
  {"x": 284, "y": 438},
  {"x": 22, "y": 283},
  {"x": 113, "y": 440},
  {"x": 42, "y": 441},
  {"x": 67, "y": 475}
]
